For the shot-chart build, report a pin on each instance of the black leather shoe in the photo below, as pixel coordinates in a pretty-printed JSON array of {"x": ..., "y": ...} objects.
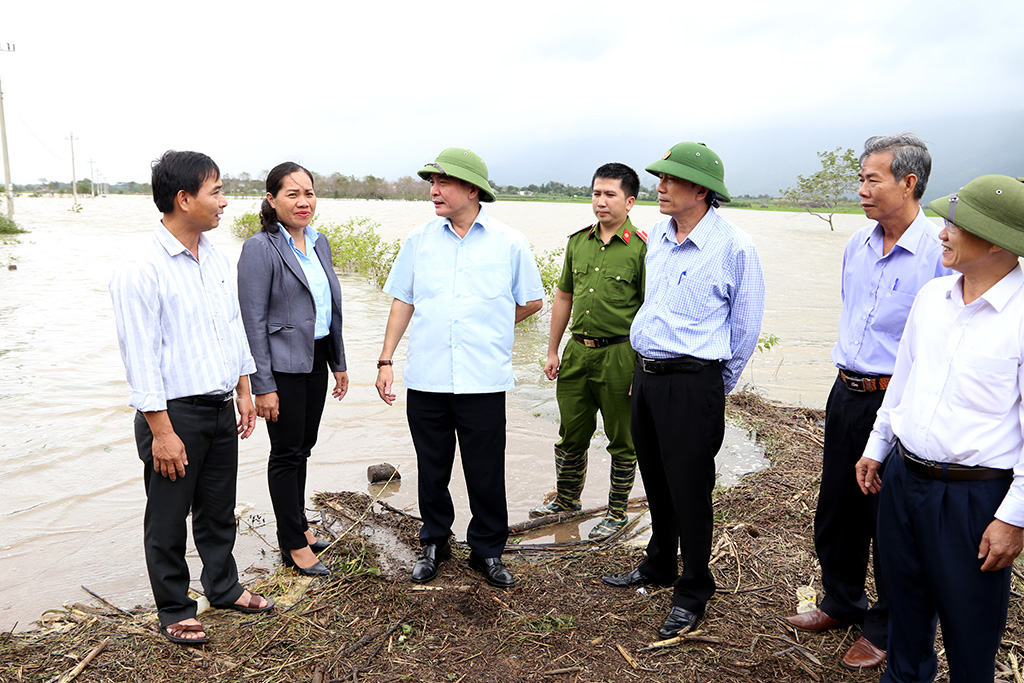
[
  {"x": 493, "y": 569},
  {"x": 430, "y": 557},
  {"x": 318, "y": 569},
  {"x": 678, "y": 619},
  {"x": 320, "y": 546},
  {"x": 628, "y": 579}
]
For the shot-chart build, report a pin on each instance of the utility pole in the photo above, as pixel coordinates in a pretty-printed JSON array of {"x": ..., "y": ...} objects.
[
  {"x": 92, "y": 178},
  {"x": 74, "y": 181},
  {"x": 9, "y": 47}
]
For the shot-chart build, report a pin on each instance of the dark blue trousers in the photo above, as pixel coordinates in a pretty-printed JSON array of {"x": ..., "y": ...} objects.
[
  {"x": 929, "y": 532},
  {"x": 678, "y": 425},
  {"x": 478, "y": 420},
  {"x": 845, "y": 519}
]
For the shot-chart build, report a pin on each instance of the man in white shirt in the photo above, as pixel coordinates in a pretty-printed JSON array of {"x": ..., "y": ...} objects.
[
  {"x": 185, "y": 352},
  {"x": 951, "y": 430}
]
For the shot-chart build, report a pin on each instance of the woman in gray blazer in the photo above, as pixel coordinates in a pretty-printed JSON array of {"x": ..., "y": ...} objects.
[{"x": 291, "y": 306}]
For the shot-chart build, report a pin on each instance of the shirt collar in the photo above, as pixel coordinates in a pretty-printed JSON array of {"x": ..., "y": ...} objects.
[
  {"x": 998, "y": 295},
  {"x": 311, "y": 235},
  {"x": 620, "y": 233},
  {"x": 910, "y": 241},
  {"x": 481, "y": 220},
  {"x": 173, "y": 246},
  {"x": 701, "y": 232}
]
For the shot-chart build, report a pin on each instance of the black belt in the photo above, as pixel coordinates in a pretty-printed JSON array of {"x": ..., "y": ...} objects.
[
  {"x": 864, "y": 383},
  {"x": 204, "y": 400},
  {"x": 598, "y": 342},
  {"x": 946, "y": 471},
  {"x": 664, "y": 366}
]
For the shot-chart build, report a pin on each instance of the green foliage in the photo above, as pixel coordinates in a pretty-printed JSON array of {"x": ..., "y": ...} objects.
[
  {"x": 246, "y": 225},
  {"x": 550, "y": 266},
  {"x": 8, "y": 226},
  {"x": 822, "y": 192},
  {"x": 766, "y": 341},
  {"x": 358, "y": 248}
]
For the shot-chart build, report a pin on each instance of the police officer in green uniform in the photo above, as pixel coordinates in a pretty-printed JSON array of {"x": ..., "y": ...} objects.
[{"x": 602, "y": 286}]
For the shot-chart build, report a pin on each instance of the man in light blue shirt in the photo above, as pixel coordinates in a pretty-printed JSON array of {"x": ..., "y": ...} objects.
[
  {"x": 463, "y": 280},
  {"x": 884, "y": 266},
  {"x": 698, "y": 325}
]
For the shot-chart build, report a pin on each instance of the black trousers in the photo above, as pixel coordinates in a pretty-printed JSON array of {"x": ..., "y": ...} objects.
[
  {"x": 846, "y": 519},
  {"x": 678, "y": 425},
  {"x": 929, "y": 532},
  {"x": 478, "y": 421},
  {"x": 210, "y": 436},
  {"x": 301, "y": 399}
]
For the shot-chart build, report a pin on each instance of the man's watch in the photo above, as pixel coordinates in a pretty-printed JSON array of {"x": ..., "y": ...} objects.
[{"x": 382, "y": 363}]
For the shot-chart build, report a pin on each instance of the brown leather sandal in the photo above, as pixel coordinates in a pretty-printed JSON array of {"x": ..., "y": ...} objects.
[
  {"x": 251, "y": 607},
  {"x": 176, "y": 632}
]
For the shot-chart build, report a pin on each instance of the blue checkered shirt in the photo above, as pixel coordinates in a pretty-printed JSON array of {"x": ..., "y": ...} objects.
[{"x": 704, "y": 297}]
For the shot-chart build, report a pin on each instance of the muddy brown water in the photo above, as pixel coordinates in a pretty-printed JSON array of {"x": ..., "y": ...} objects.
[{"x": 71, "y": 496}]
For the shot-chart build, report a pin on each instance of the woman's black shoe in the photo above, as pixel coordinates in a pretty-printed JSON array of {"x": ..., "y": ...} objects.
[
  {"x": 320, "y": 546},
  {"x": 318, "y": 569}
]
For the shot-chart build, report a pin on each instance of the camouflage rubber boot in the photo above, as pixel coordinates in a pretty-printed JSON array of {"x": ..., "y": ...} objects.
[
  {"x": 622, "y": 476},
  {"x": 571, "y": 474}
]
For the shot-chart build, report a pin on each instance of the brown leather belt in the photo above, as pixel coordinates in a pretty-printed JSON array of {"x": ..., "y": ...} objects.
[
  {"x": 947, "y": 471},
  {"x": 865, "y": 383},
  {"x": 598, "y": 342}
]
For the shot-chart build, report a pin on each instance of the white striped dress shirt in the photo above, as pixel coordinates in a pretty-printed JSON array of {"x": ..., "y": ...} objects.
[
  {"x": 704, "y": 297},
  {"x": 178, "y": 323}
]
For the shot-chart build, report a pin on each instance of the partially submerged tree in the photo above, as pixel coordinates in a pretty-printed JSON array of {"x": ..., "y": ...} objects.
[{"x": 822, "y": 192}]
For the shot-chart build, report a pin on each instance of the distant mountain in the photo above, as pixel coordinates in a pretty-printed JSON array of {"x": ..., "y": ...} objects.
[{"x": 767, "y": 160}]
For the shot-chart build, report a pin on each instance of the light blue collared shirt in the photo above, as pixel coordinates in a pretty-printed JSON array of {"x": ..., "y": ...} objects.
[
  {"x": 464, "y": 292},
  {"x": 704, "y": 297},
  {"x": 878, "y": 292},
  {"x": 316, "y": 278}
]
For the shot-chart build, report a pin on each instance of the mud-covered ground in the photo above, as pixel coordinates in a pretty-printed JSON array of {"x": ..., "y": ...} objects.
[{"x": 368, "y": 622}]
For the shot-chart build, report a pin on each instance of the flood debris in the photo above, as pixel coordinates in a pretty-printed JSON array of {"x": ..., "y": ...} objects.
[{"x": 368, "y": 622}]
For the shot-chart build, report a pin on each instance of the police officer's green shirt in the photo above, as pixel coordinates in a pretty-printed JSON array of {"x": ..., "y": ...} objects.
[{"x": 606, "y": 280}]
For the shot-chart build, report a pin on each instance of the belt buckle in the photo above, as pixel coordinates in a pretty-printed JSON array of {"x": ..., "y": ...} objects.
[
  {"x": 590, "y": 343},
  {"x": 856, "y": 384}
]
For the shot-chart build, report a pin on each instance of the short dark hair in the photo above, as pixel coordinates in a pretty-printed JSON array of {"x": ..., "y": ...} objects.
[
  {"x": 909, "y": 155},
  {"x": 626, "y": 176},
  {"x": 268, "y": 215},
  {"x": 176, "y": 171}
]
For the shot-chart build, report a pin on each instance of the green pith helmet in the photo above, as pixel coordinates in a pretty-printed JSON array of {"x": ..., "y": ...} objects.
[
  {"x": 462, "y": 164},
  {"x": 991, "y": 207},
  {"x": 696, "y": 162}
]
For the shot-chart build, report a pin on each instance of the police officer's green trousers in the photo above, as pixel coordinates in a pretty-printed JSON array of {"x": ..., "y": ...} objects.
[{"x": 590, "y": 380}]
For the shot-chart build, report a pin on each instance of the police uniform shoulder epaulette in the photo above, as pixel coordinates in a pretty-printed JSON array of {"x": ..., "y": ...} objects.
[
  {"x": 642, "y": 234},
  {"x": 589, "y": 227}
]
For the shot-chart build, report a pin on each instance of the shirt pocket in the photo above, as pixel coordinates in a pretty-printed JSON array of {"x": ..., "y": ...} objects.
[
  {"x": 618, "y": 284},
  {"x": 985, "y": 384},
  {"x": 580, "y": 273},
  {"x": 891, "y": 314}
]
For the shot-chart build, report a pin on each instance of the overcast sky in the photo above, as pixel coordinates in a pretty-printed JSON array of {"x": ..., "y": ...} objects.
[{"x": 381, "y": 87}]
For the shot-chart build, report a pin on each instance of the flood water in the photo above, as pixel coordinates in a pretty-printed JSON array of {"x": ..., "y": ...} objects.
[{"x": 71, "y": 495}]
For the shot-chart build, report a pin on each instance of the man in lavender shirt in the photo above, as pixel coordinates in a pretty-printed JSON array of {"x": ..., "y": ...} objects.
[{"x": 884, "y": 266}]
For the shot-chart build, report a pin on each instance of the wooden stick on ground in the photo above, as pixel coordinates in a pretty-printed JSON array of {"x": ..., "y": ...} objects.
[
  {"x": 71, "y": 675},
  {"x": 566, "y": 517}
]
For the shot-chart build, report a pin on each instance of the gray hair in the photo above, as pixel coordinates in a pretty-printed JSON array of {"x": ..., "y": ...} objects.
[{"x": 909, "y": 155}]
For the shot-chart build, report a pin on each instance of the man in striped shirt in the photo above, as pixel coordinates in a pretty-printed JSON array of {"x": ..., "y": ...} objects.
[
  {"x": 699, "y": 323},
  {"x": 185, "y": 353}
]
